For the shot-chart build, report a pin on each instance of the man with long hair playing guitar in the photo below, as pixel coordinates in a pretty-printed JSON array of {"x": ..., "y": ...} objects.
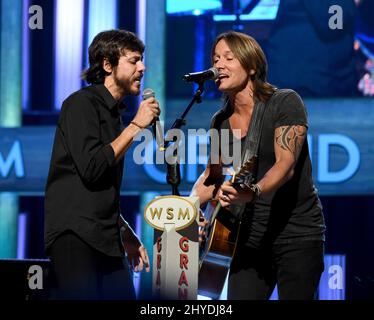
[{"x": 282, "y": 226}]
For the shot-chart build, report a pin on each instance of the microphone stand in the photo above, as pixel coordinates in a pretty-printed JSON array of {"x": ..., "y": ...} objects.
[{"x": 173, "y": 177}]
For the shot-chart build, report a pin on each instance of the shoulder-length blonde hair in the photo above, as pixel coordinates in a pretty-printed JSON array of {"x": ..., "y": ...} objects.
[{"x": 250, "y": 55}]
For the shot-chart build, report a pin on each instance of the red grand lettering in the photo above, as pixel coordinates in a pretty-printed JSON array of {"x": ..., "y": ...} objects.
[
  {"x": 158, "y": 278},
  {"x": 183, "y": 279},
  {"x": 158, "y": 244},
  {"x": 183, "y": 244},
  {"x": 183, "y": 261}
]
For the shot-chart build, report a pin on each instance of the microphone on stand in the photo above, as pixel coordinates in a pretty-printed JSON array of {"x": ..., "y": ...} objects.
[
  {"x": 156, "y": 125},
  {"x": 210, "y": 74}
]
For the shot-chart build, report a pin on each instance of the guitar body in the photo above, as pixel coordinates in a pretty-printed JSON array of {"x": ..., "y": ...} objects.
[
  {"x": 222, "y": 236},
  {"x": 218, "y": 252}
]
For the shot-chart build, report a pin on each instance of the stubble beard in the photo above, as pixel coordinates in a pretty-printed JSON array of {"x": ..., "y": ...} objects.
[{"x": 124, "y": 85}]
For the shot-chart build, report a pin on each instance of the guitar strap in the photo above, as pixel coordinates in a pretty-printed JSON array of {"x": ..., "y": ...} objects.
[
  {"x": 250, "y": 150},
  {"x": 252, "y": 140}
]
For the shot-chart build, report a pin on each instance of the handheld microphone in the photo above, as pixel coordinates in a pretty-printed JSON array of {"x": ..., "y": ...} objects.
[
  {"x": 156, "y": 126},
  {"x": 201, "y": 76}
]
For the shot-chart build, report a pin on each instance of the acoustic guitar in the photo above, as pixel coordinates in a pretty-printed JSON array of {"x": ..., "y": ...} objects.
[{"x": 222, "y": 234}]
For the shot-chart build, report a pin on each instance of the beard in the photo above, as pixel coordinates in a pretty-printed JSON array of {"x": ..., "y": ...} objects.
[{"x": 124, "y": 85}]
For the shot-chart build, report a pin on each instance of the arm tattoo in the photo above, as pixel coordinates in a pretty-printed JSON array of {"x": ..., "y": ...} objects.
[{"x": 291, "y": 138}]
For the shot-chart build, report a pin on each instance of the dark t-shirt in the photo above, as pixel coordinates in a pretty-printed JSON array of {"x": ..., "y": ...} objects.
[
  {"x": 294, "y": 212},
  {"x": 83, "y": 187}
]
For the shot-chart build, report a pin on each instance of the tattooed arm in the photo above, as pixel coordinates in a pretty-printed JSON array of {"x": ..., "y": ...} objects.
[{"x": 288, "y": 142}]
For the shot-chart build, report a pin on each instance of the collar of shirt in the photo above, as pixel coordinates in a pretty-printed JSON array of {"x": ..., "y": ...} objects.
[{"x": 110, "y": 102}]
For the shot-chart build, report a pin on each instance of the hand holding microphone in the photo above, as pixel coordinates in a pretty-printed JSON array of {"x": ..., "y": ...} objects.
[
  {"x": 148, "y": 110},
  {"x": 157, "y": 130}
]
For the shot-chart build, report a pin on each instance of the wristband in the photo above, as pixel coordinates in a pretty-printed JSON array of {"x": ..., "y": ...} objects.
[
  {"x": 137, "y": 125},
  {"x": 256, "y": 190}
]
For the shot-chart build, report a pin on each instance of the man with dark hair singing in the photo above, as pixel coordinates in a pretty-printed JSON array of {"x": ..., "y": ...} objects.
[
  {"x": 85, "y": 235},
  {"x": 282, "y": 226}
]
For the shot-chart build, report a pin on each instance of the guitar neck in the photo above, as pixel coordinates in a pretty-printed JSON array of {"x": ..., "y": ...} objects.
[
  {"x": 246, "y": 169},
  {"x": 215, "y": 212}
]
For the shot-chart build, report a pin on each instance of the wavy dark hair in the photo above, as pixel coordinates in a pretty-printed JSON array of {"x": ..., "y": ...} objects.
[
  {"x": 250, "y": 55},
  {"x": 110, "y": 45}
]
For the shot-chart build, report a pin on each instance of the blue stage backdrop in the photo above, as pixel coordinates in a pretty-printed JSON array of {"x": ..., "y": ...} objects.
[{"x": 340, "y": 139}]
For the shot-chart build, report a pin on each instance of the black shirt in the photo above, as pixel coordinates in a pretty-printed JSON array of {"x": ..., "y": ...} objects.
[
  {"x": 294, "y": 212},
  {"x": 83, "y": 186}
]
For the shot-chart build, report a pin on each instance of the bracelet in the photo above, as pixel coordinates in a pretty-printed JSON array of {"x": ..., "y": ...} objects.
[
  {"x": 256, "y": 190},
  {"x": 137, "y": 125}
]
